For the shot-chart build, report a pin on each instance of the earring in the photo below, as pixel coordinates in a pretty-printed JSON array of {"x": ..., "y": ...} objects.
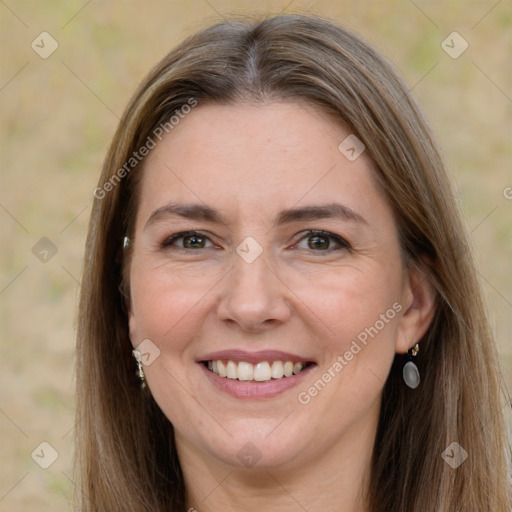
[
  {"x": 126, "y": 242},
  {"x": 410, "y": 372},
  {"x": 140, "y": 370}
]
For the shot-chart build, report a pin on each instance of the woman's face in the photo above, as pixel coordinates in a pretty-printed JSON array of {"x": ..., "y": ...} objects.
[{"x": 294, "y": 262}]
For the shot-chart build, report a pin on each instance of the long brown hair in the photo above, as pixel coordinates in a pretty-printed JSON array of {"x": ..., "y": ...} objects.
[{"x": 126, "y": 457}]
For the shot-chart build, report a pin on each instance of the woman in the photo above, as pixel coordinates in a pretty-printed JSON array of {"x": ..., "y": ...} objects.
[{"x": 280, "y": 307}]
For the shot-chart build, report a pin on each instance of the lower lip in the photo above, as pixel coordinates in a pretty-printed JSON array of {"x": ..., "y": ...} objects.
[{"x": 253, "y": 389}]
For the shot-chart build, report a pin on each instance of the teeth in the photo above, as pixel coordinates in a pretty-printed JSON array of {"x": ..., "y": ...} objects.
[
  {"x": 231, "y": 370},
  {"x": 221, "y": 367},
  {"x": 297, "y": 368},
  {"x": 245, "y": 371},
  {"x": 277, "y": 369},
  {"x": 261, "y": 372}
]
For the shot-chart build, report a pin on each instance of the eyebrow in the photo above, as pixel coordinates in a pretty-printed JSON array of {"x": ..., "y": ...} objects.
[{"x": 207, "y": 214}]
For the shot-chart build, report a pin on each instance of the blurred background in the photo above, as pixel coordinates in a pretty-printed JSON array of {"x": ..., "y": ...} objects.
[{"x": 67, "y": 71}]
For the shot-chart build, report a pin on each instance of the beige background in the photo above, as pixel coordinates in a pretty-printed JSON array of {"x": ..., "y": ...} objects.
[{"x": 59, "y": 114}]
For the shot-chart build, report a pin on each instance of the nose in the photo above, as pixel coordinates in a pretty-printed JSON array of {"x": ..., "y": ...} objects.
[{"x": 254, "y": 297}]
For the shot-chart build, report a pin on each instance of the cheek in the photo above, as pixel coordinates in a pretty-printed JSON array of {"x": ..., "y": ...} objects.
[
  {"x": 361, "y": 308},
  {"x": 164, "y": 303},
  {"x": 351, "y": 300}
]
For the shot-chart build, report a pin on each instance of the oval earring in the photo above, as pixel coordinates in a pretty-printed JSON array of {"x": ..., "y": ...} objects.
[
  {"x": 140, "y": 370},
  {"x": 410, "y": 372}
]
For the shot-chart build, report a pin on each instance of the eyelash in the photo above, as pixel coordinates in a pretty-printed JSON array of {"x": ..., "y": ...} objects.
[{"x": 343, "y": 244}]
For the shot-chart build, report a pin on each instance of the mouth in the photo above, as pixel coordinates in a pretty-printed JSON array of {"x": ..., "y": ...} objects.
[
  {"x": 262, "y": 371},
  {"x": 255, "y": 375}
]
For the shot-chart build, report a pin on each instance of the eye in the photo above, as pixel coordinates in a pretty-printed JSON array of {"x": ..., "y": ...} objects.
[
  {"x": 191, "y": 240},
  {"x": 321, "y": 241}
]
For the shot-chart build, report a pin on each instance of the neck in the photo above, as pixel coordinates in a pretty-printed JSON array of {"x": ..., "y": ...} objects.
[{"x": 333, "y": 481}]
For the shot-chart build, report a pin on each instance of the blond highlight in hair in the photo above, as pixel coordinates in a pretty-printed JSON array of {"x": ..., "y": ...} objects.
[{"x": 125, "y": 452}]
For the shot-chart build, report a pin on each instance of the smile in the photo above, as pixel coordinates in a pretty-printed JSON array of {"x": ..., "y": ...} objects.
[{"x": 260, "y": 372}]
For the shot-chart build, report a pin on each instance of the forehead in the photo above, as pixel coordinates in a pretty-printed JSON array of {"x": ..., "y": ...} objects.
[{"x": 256, "y": 157}]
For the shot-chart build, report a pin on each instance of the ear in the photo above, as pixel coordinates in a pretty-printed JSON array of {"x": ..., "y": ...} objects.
[
  {"x": 125, "y": 291},
  {"x": 132, "y": 326},
  {"x": 132, "y": 321},
  {"x": 418, "y": 301}
]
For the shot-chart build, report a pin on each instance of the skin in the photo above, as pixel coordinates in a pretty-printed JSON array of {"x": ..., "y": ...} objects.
[{"x": 249, "y": 162}]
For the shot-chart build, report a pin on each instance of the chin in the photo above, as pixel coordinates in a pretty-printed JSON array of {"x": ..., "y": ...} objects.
[{"x": 255, "y": 444}]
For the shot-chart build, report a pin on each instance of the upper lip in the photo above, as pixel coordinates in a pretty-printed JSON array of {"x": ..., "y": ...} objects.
[{"x": 237, "y": 355}]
